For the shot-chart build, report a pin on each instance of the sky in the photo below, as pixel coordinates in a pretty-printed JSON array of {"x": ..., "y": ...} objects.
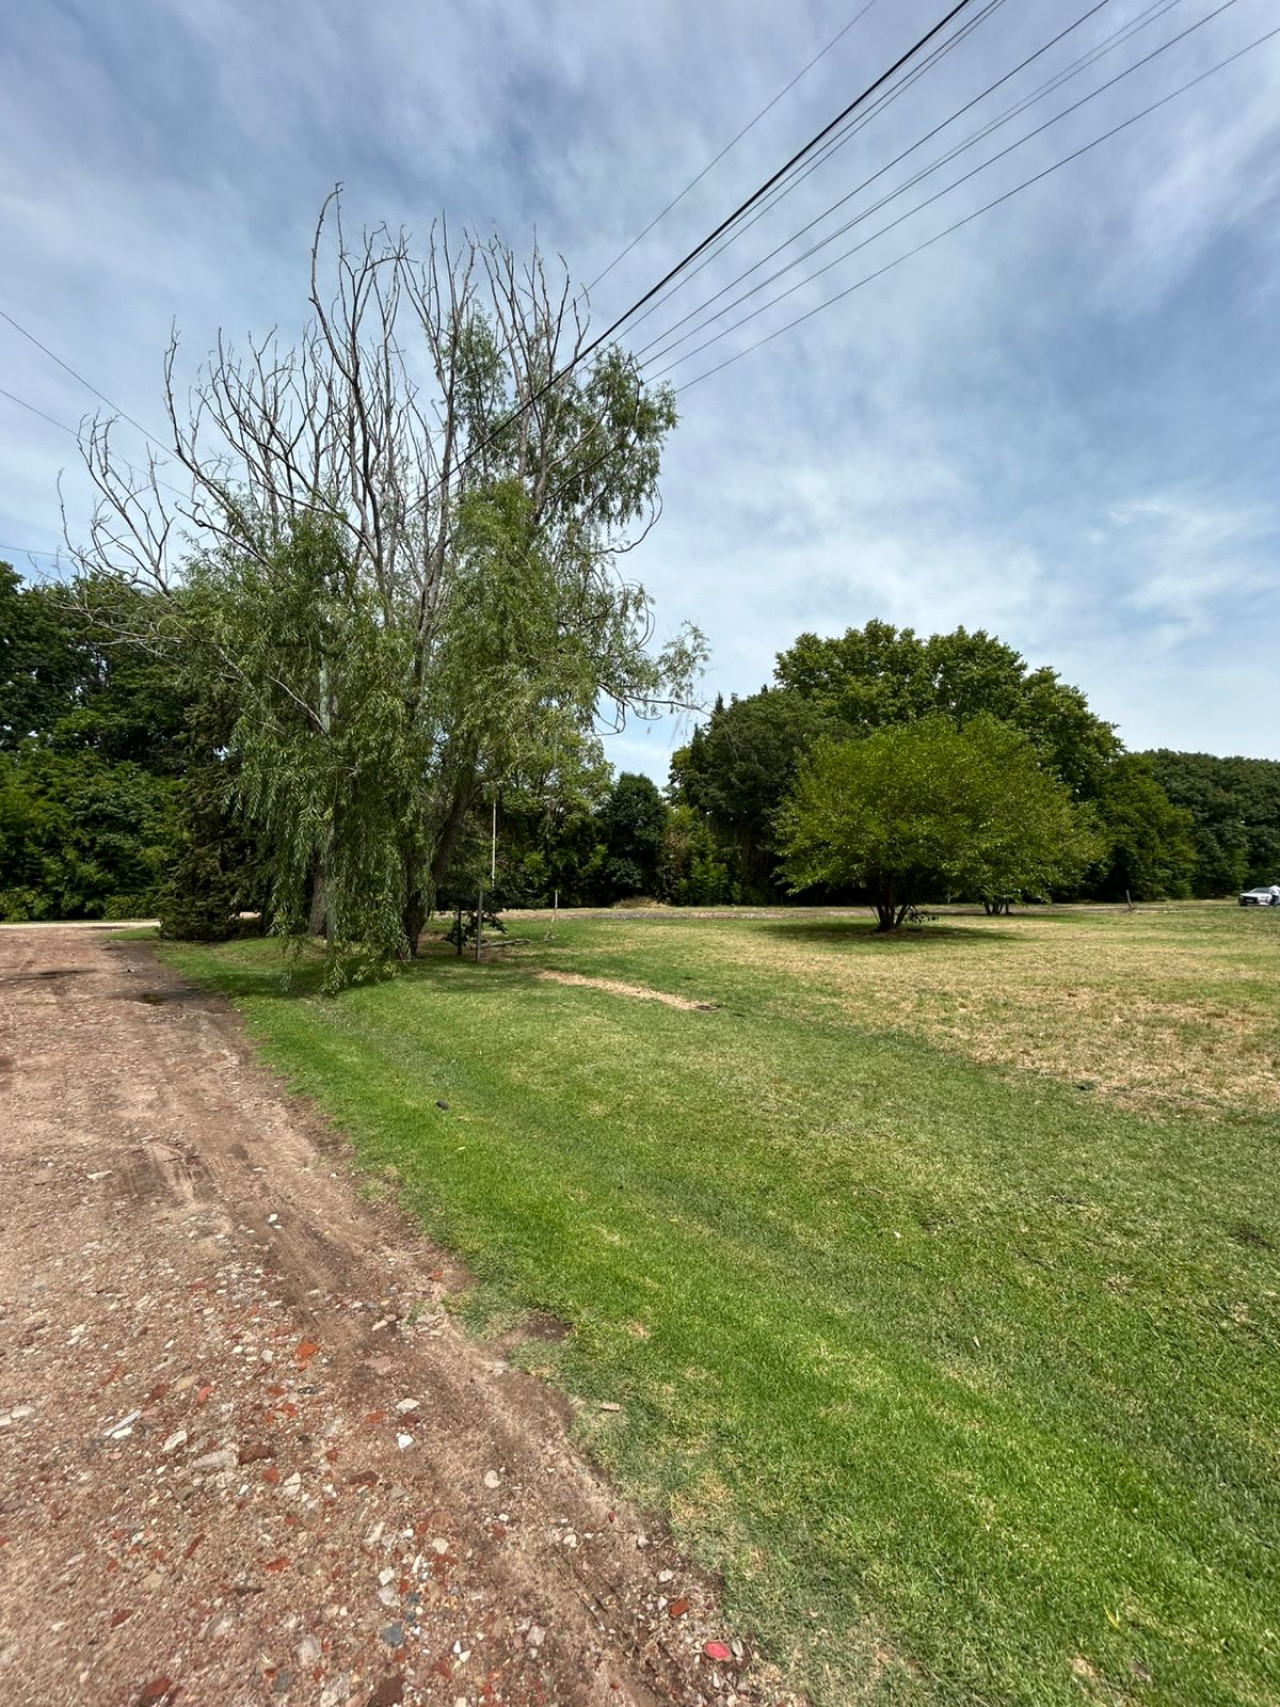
[{"x": 1059, "y": 423}]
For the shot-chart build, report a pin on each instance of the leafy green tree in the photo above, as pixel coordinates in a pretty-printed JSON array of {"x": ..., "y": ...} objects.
[
  {"x": 927, "y": 811},
  {"x": 1150, "y": 855},
  {"x": 404, "y": 583},
  {"x": 877, "y": 676},
  {"x": 40, "y": 664},
  {"x": 1235, "y": 811},
  {"x": 694, "y": 870},
  {"x": 81, "y": 837},
  {"x": 737, "y": 769},
  {"x": 632, "y": 823}
]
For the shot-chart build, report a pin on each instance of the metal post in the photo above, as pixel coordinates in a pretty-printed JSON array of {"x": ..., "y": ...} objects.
[{"x": 493, "y": 846}]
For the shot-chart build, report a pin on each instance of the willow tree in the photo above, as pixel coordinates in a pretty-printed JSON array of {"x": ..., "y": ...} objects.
[{"x": 399, "y": 552}]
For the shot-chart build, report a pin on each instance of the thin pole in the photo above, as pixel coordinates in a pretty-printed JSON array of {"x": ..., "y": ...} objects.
[
  {"x": 493, "y": 847},
  {"x": 479, "y": 922}
]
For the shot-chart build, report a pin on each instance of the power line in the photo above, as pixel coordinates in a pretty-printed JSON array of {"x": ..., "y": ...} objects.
[
  {"x": 828, "y": 149},
  {"x": 79, "y": 377},
  {"x": 851, "y": 128},
  {"x": 986, "y": 208},
  {"x": 23, "y": 404},
  {"x": 730, "y": 145},
  {"x": 977, "y": 136},
  {"x": 27, "y": 551},
  {"x": 959, "y": 112},
  {"x": 549, "y": 384},
  {"x": 920, "y": 206}
]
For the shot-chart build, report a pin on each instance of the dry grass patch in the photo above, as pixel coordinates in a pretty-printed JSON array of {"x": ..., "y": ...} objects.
[
  {"x": 616, "y": 987},
  {"x": 1149, "y": 1008}
]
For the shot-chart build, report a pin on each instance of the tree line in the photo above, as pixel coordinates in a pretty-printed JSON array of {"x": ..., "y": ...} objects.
[{"x": 118, "y": 763}]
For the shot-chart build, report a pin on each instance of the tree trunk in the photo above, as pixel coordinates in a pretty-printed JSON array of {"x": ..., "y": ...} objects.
[
  {"x": 451, "y": 830},
  {"x": 415, "y": 916}
]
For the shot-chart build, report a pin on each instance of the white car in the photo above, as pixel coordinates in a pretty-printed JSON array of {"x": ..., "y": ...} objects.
[{"x": 1261, "y": 897}]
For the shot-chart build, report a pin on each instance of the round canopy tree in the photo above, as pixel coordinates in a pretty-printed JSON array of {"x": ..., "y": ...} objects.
[{"x": 928, "y": 811}]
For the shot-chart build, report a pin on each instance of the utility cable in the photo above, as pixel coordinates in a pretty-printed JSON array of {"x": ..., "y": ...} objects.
[
  {"x": 977, "y": 213},
  {"x": 859, "y": 100},
  {"x": 80, "y": 379},
  {"x": 729, "y": 146},
  {"x": 960, "y": 148},
  {"x": 831, "y": 146},
  {"x": 992, "y": 124}
]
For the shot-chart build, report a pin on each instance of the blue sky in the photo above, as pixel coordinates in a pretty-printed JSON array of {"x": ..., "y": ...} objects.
[{"x": 1061, "y": 423}]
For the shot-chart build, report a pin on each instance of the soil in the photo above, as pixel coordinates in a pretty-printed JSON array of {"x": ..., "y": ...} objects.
[{"x": 246, "y": 1455}]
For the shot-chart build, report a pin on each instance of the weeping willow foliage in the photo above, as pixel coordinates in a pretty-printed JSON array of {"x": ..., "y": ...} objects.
[{"x": 401, "y": 565}]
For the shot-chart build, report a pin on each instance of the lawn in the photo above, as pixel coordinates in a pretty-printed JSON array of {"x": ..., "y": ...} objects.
[{"x": 937, "y": 1278}]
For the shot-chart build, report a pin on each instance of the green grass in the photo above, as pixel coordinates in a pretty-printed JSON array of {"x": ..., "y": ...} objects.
[{"x": 963, "y": 1376}]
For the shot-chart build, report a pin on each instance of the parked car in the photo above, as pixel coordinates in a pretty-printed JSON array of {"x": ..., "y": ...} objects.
[{"x": 1261, "y": 897}]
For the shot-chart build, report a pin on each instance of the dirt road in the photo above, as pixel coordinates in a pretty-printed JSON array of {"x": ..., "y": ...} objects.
[{"x": 244, "y": 1455}]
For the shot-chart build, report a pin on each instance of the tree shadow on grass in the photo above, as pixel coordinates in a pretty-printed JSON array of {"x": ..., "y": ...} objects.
[{"x": 861, "y": 932}]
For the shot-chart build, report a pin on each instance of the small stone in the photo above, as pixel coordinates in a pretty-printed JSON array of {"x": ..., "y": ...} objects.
[
  {"x": 665, "y": 1576},
  {"x": 176, "y": 1439},
  {"x": 223, "y": 1458},
  {"x": 20, "y": 1413},
  {"x": 609, "y": 1405},
  {"x": 393, "y": 1635},
  {"x": 404, "y": 1441},
  {"x": 309, "y": 1651},
  {"x": 281, "y": 1684},
  {"x": 537, "y": 1636},
  {"x": 336, "y": 1691},
  {"x": 492, "y": 1479},
  {"x": 439, "y": 1545},
  {"x": 389, "y": 1598},
  {"x": 570, "y": 1539},
  {"x": 387, "y": 1575},
  {"x": 404, "y": 1406}
]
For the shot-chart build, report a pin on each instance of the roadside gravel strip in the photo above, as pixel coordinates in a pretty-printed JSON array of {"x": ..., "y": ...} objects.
[{"x": 245, "y": 1455}]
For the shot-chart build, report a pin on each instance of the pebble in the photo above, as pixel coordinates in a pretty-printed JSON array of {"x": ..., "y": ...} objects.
[
  {"x": 404, "y": 1406},
  {"x": 176, "y": 1439},
  {"x": 309, "y": 1650},
  {"x": 336, "y": 1691},
  {"x": 404, "y": 1441},
  {"x": 537, "y": 1636},
  {"x": 393, "y": 1635},
  {"x": 224, "y": 1458},
  {"x": 389, "y": 1598},
  {"x": 439, "y": 1545},
  {"x": 665, "y": 1576},
  {"x": 281, "y": 1684},
  {"x": 492, "y": 1479}
]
